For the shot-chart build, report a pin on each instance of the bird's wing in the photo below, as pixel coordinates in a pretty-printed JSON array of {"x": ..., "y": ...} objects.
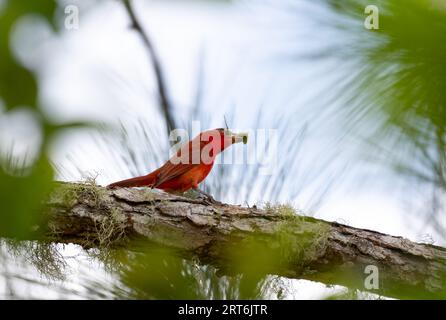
[
  {"x": 171, "y": 171},
  {"x": 173, "y": 168}
]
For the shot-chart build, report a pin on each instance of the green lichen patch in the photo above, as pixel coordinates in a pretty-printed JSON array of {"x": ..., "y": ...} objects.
[
  {"x": 149, "y": 195},
  {"x": 292, "y": 245},
  {"x": 69, "y": 194},
  {"x": 103, "y": 225},
  {"x": 301, "y": 241},
  {"x": 107, "y": 228},
  {"x": 111, "y": 229},
  {"x": 280, "y": 209},
  {"x": 301, "y": 238}
]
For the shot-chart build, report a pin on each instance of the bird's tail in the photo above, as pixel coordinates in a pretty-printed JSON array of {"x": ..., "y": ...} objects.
[{"x": 147, "y": 180}]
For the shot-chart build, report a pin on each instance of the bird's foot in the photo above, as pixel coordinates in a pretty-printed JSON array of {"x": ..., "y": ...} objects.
[
  {"x": 201, "y": 195},
  {"x": 208, "y": 199}
]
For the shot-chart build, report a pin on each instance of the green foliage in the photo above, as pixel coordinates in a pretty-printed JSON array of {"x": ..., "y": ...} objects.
[
  {"x": 160, "y": 274},
  {"x": 150, "y": 272},
  {"x": 393, "y": 88},
  {"x": 23, "y": 187},
  {"x": 21, "y": 199},
  {"x": 21, "y": 195},
  {"x": 17, "y": 84}
]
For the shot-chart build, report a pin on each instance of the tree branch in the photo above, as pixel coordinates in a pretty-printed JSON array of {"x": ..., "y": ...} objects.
[
  {"x": 301, "y": 247},
  {"x": 165, "y": 104}
]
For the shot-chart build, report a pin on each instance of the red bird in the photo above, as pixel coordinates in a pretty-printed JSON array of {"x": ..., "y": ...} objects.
[{"x": 190, "y": 165}]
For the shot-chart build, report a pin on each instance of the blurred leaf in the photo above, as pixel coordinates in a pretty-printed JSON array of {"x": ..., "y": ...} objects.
[
  {"x": 51, "y": 129},
  {"x": 17, "y": 84},
  {"x": 22, "y": 194},
  {"x": 389, "y": 93},
  {"x": 160, "y": 274},
  {"x": 147, "y": 271},
  {"x": 21, "y": 199}
]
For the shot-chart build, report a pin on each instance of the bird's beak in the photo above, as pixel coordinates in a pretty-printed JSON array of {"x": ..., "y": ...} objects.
[{"x": 239, "y": 137}]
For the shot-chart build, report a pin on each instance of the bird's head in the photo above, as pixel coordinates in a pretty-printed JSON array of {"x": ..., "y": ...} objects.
[
  {"x": 208, "y": 144},
  {"x": 222, "y": 138}
]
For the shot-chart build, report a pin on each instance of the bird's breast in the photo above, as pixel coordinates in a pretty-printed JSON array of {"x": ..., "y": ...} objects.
[{"x": 199, "y": 173}]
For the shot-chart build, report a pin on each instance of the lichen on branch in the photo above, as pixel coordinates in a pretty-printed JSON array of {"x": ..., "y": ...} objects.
[{"x": 272, "y": 240}]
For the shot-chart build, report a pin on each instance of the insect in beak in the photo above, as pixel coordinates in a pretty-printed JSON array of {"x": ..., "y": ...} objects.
[
  {"x": 236, "y": 137},
  {"x": 240, "y": 137}
]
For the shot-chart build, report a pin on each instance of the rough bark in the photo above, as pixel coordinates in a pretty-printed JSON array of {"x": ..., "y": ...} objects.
[
  {"x": 301, "y": 247},
  {"x": 166, "y": 107}
]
